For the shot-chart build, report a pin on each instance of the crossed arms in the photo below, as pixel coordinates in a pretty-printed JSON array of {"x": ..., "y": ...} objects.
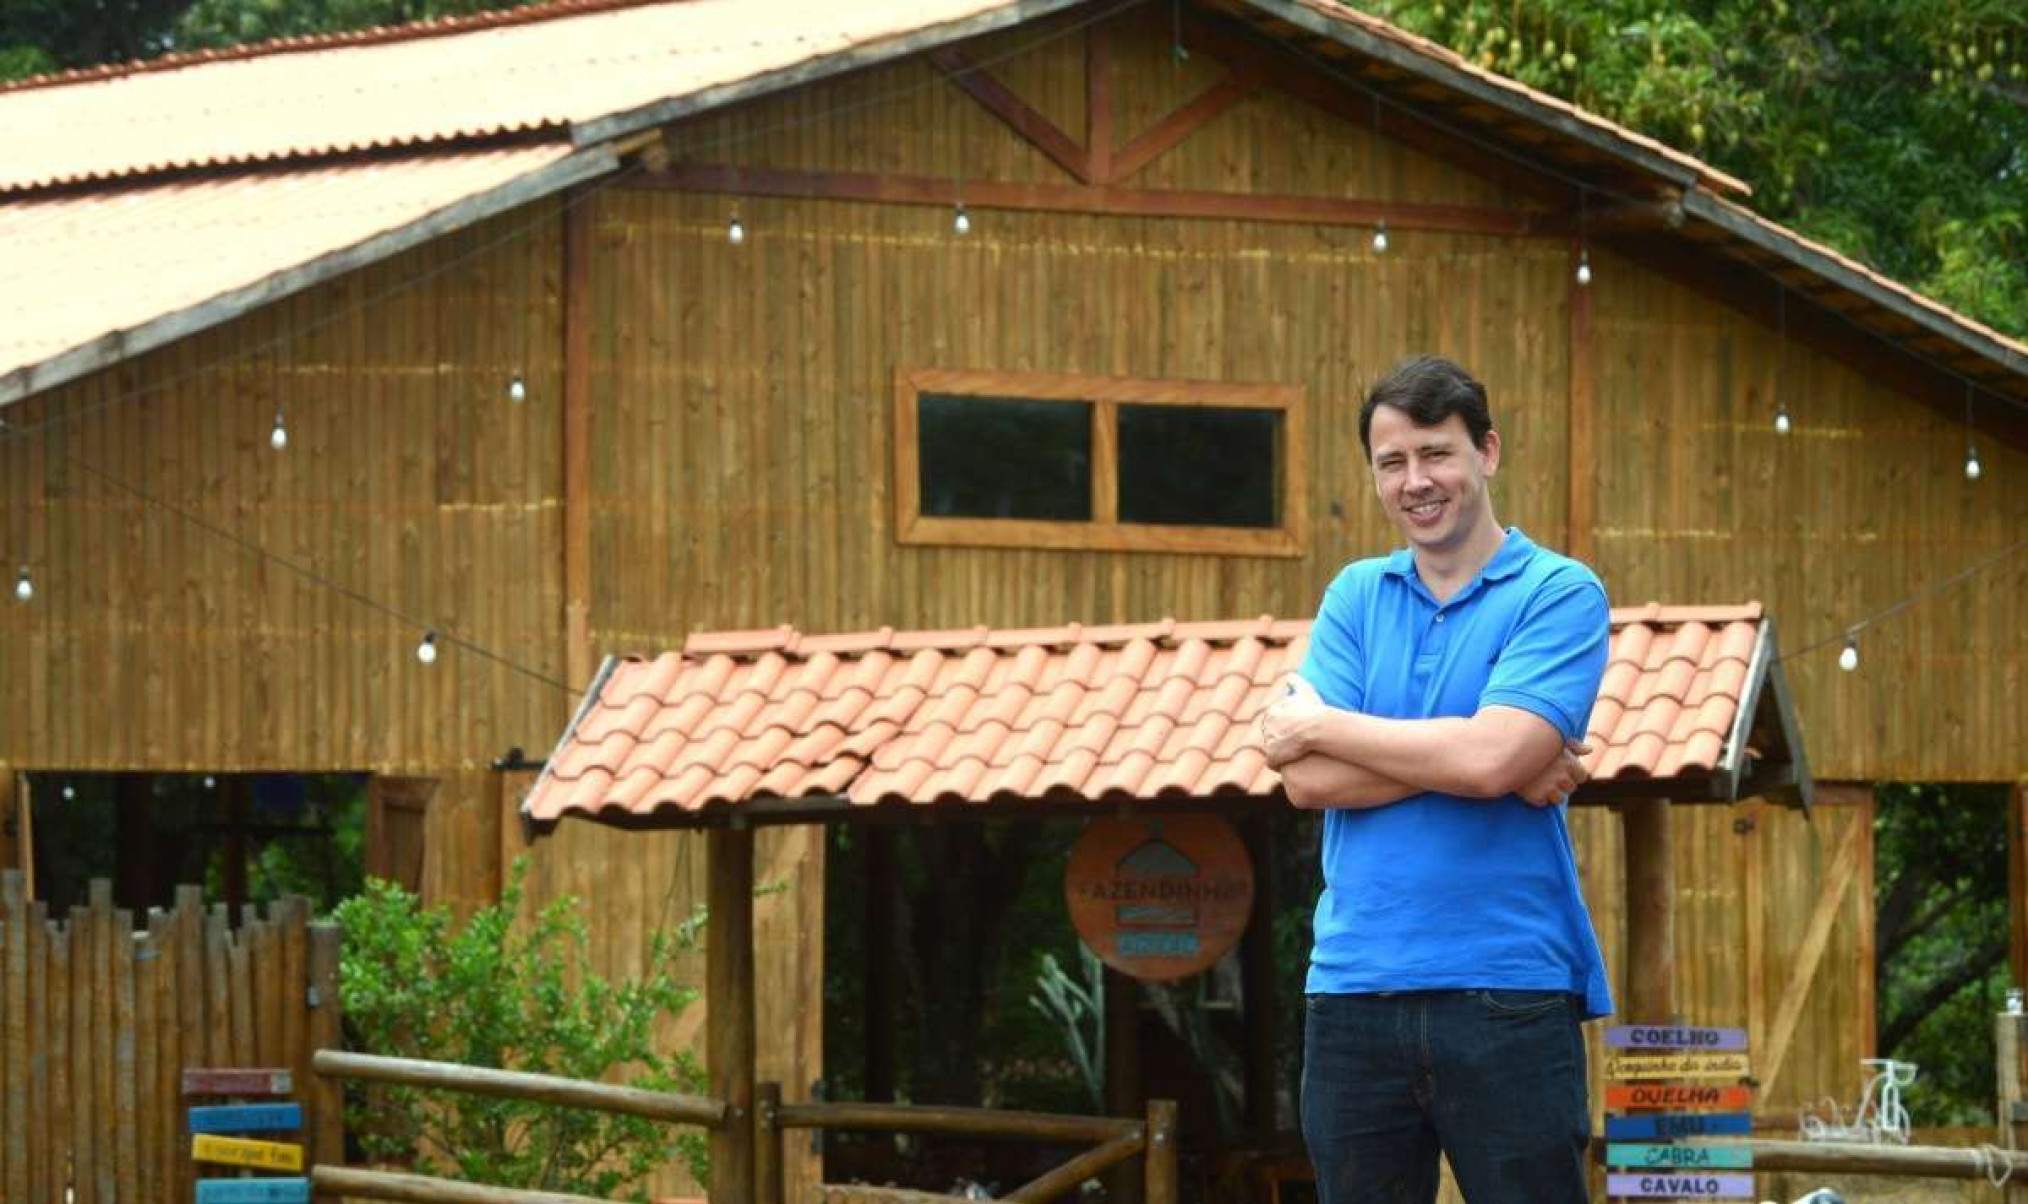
[{"x": 1333, "y": 758}]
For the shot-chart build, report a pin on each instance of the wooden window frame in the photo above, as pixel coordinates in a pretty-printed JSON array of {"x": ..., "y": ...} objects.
[{"x": 1103, "y": 531}]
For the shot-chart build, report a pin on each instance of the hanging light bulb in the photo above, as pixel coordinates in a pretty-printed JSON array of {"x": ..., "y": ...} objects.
[
  {"x": 1583, "y": 266},
  {"x": 1782, "y": 423},
  {"x": 1848, "y": 657},
  {"x": 210, "y": 783},
  {"x": 1972, "y": 469},
  {"x": 517, "y": 388},
  {"x": 735, "y": 233},
  {"x": 961, "y": 221},
  {"x": 24, "y": 586},
  {"x": 426, "y": 652},
  {"x": 1380, "y": 238},
  {"x": 279, "y": 437},
  {"x": 69, "y": 792}
]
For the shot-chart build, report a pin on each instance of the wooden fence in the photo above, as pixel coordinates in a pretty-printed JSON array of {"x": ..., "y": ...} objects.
[{"x": 98, "y": 1021}]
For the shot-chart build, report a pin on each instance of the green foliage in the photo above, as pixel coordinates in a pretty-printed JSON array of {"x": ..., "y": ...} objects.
[
  {"x": 1078, "y": 1009},
  {"x": 1895, "y": 130},
  {"x": 498, "y": 992},
  {"x": 1941, "y": 937},
  {"x": 234, "y": 22}
]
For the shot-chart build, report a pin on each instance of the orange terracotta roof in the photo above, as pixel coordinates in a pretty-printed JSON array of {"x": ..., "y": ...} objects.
[{"x": 1131, "y": 713}]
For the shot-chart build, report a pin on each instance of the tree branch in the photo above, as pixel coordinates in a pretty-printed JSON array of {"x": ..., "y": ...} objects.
[{"x": 1940, "y": 992}]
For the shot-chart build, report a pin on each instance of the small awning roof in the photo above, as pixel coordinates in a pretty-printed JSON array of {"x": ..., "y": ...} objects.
[{"x": 778, "y": 725}]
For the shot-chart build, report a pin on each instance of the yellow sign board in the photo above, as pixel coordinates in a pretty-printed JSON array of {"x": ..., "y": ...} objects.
[
  {"x": 239, "y": 1151},
  {"x": 1678, "y": 1066}
]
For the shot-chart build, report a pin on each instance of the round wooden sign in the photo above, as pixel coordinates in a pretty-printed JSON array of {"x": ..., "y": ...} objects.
[{"x": 1160, "y": 898}]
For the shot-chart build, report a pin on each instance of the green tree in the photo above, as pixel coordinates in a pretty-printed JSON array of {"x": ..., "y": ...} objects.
[{"x": 498, "y": 991}]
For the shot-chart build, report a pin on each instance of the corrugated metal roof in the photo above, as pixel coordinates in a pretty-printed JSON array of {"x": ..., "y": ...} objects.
[
  {"x": 429, "y": 86},
  {"x": 1132, "y": 713},
  {"x": 104, "y": 264}
]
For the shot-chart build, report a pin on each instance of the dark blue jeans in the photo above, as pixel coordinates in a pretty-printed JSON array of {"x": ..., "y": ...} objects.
[{"x": 1495, "y": 1079}]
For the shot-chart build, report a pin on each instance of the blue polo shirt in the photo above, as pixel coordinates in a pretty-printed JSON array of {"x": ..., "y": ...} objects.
[{"x": 1439, "y": 892}]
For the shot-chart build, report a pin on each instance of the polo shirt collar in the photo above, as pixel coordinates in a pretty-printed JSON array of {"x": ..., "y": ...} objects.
[{"x": 1510, "y": 559}]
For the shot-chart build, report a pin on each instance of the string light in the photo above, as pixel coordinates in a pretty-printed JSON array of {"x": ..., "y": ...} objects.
[
  {"x": 279, "y": 437},
  {"x": 69, "y": 793},
  {"x": 24, "y": 586},
  {"x": 517, "y": 389},
  {"x": 1848, "y": 656},
  {"x": 735, "y": 233},
  {"x": 1972, "y": 469},
  {"x": 1583, "y": 241},
  {"x": 210, "y": 783},
  {"x": 426, "y": 652},
  {"x": 961, "y": 222},
  {"x": 1781, "y": 421},
  {"x": 1380, "y": 228}
]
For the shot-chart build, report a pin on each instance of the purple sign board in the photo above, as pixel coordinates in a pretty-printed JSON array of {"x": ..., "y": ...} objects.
[
  {"x": 1673, "y": 1036},
  {"x": 1680, "y": 1185}
]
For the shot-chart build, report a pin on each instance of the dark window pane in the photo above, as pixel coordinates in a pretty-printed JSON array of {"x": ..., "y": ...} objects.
[
  {"x": 992, "y": 457},
  {"x": 1199, "y": 466}
]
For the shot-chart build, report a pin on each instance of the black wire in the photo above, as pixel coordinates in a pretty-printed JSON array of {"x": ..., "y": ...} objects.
[
  {"x": 444, "y": 634},
  {"x": 1934, "y": 587}
]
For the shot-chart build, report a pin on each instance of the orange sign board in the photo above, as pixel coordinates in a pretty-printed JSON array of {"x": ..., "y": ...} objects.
[
  {"x": 1159, "y": 898},
  {"x": 1677, "y": 1097}
]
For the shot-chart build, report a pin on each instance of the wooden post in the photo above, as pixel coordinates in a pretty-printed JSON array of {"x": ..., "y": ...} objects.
[
  {"x": 1257, "y": 975},
  {"x": 1125, "y": 1095},
  {"x": 1651, "y": 912},
  {"x": 729, "y": 1010},
  {"x": 1581, "y": 506},
  {"x": 2017, "y": 882},
  {"x": 768, "y": 1183},
  {"x": 12, "y": 830},
  {"x": 882, "y": 964},
  {"x": 2008, "y": 1092},
  {"x": 134, "y": 840},
  {"x": 1161, "y": 1160},
  {"x": 326, "y": 1127}
]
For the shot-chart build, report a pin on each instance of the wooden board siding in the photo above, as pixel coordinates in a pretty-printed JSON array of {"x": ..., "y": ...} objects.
[{"x": 408, "y": 477}]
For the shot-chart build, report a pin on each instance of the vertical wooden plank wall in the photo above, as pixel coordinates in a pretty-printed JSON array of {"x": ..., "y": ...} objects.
[{"x": 97, "y": 1022}]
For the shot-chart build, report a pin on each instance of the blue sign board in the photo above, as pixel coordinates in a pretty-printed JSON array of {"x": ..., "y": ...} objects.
[
  {"x": 1646, "y": 1156},
  {"x": 246, "y": 1118},
  {"x": 1663, "y": 1126},
  {"x": 253, "y": 1191},
  {"x": 1673, "y": 1036}
]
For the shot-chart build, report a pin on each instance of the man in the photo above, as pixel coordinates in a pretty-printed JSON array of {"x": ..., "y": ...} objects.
[{"x": 1437, "y": 721}]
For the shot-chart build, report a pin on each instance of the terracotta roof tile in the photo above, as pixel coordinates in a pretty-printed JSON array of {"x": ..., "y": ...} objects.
[{"x": 1128, "y": 712}]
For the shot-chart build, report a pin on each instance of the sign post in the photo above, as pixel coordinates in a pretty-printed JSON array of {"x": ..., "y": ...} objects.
[
  {"x": 211, "y": 1126},
  {"x": 1673, "y": 1082}
]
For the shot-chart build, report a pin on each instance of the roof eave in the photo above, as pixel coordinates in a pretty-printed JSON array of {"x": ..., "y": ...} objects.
[
  {"x": 1510, "y": 100},
  {"x": 118, "y": 345},
  {"x": 1775, "y": 240}
]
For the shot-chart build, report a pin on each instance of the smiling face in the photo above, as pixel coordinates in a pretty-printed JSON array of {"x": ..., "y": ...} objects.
[{"x": 1431, "y": 480}]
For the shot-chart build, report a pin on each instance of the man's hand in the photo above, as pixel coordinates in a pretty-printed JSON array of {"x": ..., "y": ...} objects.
[
  {"x": 1565, "y": 774},
  {"x": 1288, "y": 725}
]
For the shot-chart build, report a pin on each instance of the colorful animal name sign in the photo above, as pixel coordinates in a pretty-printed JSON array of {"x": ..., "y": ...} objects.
[
  {"x": 1680, "y": 1186},
  {"x": 253, "y": 1191},
  {"x": 246, "y": 1118},
  {"x": 1644, "y": 1160},
  {"x": 1666, "y": 1154},
  {"x": 238, "y": 1082},
  {"x": 240, "y": 1151},
  {"x": 1730, "y": 1066}
]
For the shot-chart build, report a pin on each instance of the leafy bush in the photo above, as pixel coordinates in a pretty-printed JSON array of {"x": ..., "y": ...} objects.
[{"x": 498, "y": 992}]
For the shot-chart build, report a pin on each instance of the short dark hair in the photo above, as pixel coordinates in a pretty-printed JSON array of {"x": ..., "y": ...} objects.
[{"x": 1428, "y": 389}]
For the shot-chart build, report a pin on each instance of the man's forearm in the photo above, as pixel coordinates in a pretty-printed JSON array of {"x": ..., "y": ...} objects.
[
  {"x": 1318, "y": 782},
  {"x": 1471, "y": 757}
]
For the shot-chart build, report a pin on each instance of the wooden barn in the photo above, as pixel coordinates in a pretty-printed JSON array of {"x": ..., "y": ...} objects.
[{"x": 539, "y": 337}]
